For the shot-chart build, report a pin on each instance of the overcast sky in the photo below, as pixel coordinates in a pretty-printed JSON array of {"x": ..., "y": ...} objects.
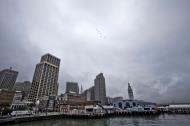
[{"x": 146, "y": 42}]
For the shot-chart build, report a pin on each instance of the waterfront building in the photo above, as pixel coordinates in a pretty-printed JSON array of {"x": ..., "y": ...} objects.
[
  {"x": 130, "y": 92},
  {"x": 71, "y": 97},
  {"x": 8, "y": 78},
  {"x": 100, "y": 89},
  {"x": 110, "y": 100},
  {"x": 98, "y": 109},
  {"x": 47, "y": 103},
  {"x": 24, "y": 87},
  {"x": 125, "y": 104},
  {"x": 18, "y": 102},
  {"x": 117, "y": 98},
  {"x": 6, "y": 97},
  {"x": 20, "y": 106},
  {"x": 73, "y": 106},
  {"x": 72, "y": 87},
  {"x": 45, "y": 79},
  {"x": 64, "y": 103},
  {"x": 178, "y": 108},
  {"x": 18, "y": 97},
  {"x": 50, "y": 103}
]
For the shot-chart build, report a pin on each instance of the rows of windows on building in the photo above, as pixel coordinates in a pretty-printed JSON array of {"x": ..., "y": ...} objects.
[
  {"x": 11, "y": 91},
  {"x": 45, "y": 83},
  {"x": 44, "y": 87}
]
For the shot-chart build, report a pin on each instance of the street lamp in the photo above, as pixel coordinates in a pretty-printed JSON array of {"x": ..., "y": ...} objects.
[{"x": 37, "y": 105}]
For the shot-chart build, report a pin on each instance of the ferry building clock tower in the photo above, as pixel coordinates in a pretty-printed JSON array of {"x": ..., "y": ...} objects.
[{"x": 130, "y": 92}]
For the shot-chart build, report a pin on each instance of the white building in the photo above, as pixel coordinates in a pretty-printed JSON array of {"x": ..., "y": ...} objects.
[{"x": 135, "y": 105}]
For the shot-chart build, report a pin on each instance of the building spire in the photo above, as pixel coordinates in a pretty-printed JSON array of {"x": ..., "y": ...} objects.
[{"x": 130, "y": 92}]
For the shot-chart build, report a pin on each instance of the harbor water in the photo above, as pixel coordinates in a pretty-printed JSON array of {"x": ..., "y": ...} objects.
[{"x": 161, "y": 120}]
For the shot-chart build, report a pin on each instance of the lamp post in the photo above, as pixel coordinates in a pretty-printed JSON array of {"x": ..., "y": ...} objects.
[
  {"x": 47, "y": 106},
  {"x": 37, "y": 106}
]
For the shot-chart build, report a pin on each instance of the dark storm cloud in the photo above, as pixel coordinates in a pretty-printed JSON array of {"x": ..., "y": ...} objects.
[
  {"x": 15, "y": 49},
  {"x": 145, "y": 42}
]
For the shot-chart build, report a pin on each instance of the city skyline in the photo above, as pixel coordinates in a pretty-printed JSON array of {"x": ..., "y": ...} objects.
[{"x": 146, "y": 43}]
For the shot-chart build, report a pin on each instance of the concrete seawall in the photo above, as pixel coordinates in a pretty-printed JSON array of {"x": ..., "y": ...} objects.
[{"x": 15, "y": 120}]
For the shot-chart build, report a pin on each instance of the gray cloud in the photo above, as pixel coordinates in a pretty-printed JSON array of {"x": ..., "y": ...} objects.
[
  {"x": 15, "y": 47},
  {"x": 145, "y": 42}
]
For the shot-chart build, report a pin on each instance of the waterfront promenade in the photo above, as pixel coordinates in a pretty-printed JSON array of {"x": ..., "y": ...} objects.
[{"x": 57, "y": 115}]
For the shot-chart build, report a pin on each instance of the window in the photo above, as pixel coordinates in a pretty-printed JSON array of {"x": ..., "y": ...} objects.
[
  {"x": 120, "y": 105},
  {"x": 127, "y": 105},
  {"x": 134, "y": 104}
]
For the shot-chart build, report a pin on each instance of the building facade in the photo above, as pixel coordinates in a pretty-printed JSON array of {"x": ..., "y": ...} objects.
[
  {"x": 8, "y": 78},
  {"x": 73, "y": 106},
  {"x": 18, "y": 97},
  {"x": 24, "y": 87},
  {"x": 100, "y": 89},
  {"x": 72, "y": 87},
  {"x": 47, "y": 103},
  {"x": 18, "y": 103},
  {"x": 45, "y": 79},
  {"x": 6, "y": 97},
  {"x": 62, "y": 103},
  {"x": 125, "y": 104},
  {"x": 110, "y": 100},
  {"x": 89, "y": 94}
]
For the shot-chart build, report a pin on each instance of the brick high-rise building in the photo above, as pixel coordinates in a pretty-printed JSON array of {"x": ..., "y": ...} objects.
[
  {"x": 6, "y": 97},
  {"x": 8, "y": 78},
  {"x": 100, "y": 89},
  {"x": 45, "y": 79}
]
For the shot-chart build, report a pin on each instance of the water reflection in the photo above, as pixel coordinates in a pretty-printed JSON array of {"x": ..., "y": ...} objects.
[
  {"x": 68, "y": 122},
  {"x": 136, "y": 122},
  {"x": 162, "y": 120}
]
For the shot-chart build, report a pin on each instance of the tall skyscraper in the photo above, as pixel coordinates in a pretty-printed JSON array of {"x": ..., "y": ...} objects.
[
  {"x": 8, "y": 78},
  {"x": 45, "y": 79},
  {"x": 130, "y": 92},
  {"x": 100, "y": 88},
  {"x": 72, "y": 87}
]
